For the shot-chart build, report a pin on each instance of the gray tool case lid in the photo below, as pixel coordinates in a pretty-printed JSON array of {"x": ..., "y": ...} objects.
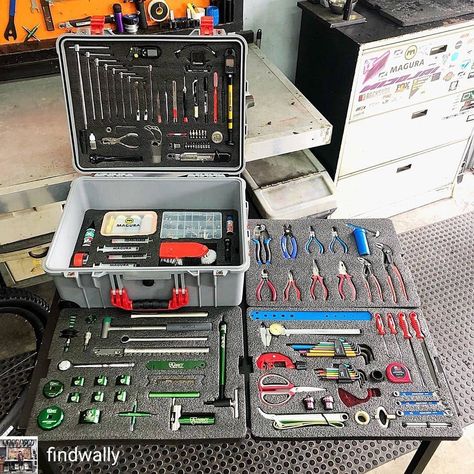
[{"x": 173, "y": 62}]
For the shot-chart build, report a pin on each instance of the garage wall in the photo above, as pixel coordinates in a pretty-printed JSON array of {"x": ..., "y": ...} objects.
[{"x": 280, "y": 22}]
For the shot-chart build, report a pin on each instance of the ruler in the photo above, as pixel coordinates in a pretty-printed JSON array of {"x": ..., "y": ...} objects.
[{"x": 271, "y": 315}]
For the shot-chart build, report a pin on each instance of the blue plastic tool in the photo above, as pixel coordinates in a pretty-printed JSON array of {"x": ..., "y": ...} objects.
[
  {"x": 360, "y": 237},
  {"x": 269, "y": 315}
]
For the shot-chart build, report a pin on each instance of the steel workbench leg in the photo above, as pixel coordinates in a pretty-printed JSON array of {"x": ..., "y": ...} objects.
[{"x": 422, "y": 456}]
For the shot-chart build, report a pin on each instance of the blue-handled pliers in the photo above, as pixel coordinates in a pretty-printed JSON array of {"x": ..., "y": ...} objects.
[
  {"x": 336, "y": 238},
  {"x": 288, "y": 239},
  {"x": 312, "y": 238},
  {"x": 261, "y": 239}
]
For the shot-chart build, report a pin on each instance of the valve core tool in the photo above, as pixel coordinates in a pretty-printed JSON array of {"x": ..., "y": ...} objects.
[
  {"x": 276, "y": 330},
  {"x": 221, "y": 401},
  {"x": 389, "y": 263},
  {"x": 301, "y": 420},
  {"x": 415, "y": 324},
  {"x": 344, "y": 276},
  {"x": 271, "y": 360},
  {"x": 288, "y": 243},
  {"x": 291, "y": 283},
  {"x": 169, "y": 327},
  {"x": 381, "y": 330},
  {"x": 336, "y": 238},
  {"x": 368, "y": 274},
  {"x": 316, "y": 279},
  {"x": 261, "y": 239},
  {"x": 402, "y": 322},
  {"x": 393, "y": 330},
  {"x": 313, "y": 239},
  {"x": 351, "y": 400},
  {"x": 265, "y": 280},
  {"x": 282, "y": 389}
]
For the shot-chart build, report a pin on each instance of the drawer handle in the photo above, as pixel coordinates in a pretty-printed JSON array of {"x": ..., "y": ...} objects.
[
  {"x": 420, "y": 113},
  {"x": 404, "y": 168},
  {"x": 438, "y": 49}
]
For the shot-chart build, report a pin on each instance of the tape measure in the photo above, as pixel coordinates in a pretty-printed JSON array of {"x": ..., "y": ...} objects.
[
  {"x": 158, "y": 10},
  {"x": 175, "y": 364}
]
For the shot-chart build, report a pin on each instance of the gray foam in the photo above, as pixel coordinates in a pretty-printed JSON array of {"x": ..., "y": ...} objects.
[
  {"x": 262, "y": 428},
  {"x": 156, "y": 427},
  {"x": 328, "y": 265}
]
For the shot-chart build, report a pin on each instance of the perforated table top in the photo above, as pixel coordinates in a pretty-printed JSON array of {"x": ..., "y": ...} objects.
[{"x": 440, "y": 257}]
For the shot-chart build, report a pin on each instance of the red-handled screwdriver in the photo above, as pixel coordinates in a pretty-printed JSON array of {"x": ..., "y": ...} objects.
[
  {"x": 215, "y": 100},
  {"x": 380, "y": 329},
  {"x": 393, "y": 330},
  {"x": 415, "y": 324},
  {"x": 402, "y": 322}
]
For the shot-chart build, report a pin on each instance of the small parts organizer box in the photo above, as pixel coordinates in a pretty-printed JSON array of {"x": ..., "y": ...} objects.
[{"x": 158, "y": 124}]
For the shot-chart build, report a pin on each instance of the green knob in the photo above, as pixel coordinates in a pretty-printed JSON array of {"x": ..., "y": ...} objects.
[
  {"x": 50, "y": 418},
  {"x": 53, "y": 388}
]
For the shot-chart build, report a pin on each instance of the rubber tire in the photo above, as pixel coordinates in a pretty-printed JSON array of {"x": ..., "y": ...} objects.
[{"x": 35, "y": 311}]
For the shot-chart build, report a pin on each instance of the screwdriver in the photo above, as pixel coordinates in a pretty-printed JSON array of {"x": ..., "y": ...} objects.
[
  {"x": 415, "y": 324},
  {"x": 402, "y": 321},
  {"x": 381, "y": 329},
  {"x": 185, "y": 105},
  {"x": 216, "y": 86},
  {"x": 393, "y": 330},
  {"x": 206, "y": 99}
]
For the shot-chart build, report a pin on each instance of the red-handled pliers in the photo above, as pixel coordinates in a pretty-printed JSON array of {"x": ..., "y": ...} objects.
[
  {"x": 344, "y": 276},
  {"x": 315, "y": 279},
  {"x": 266, "y": 280},
  {"x": 368, "y": 273},
  {"x": 291, "y": 283}
]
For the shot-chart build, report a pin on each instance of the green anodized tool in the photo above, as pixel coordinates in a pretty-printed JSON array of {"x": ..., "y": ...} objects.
[
  {"x": 53, "y": 389},
  {"x": 134, "y": 414},
  {"x": 197, "y": 419},
  {"x": 174, "y": 394},
  {"x": 50, "y": 418}
]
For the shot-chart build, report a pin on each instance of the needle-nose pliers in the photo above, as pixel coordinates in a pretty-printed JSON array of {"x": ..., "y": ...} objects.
[
  {"x": 312, "y": 238},
  {"x": 291, "y": 283},
  {"x": 336, "y": 238},
  {"x": 344, "y": 276},
  {"x": 315, "y": 279}
]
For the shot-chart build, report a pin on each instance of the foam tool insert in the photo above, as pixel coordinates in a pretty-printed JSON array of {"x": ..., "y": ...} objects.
[
  {"x": 134, "y": 400},
  {"x": 308, "y": 248},
  {"x": 152, "y": 238},
  {"x": 286, "y": 347},
  {"x": 168, "y": 103}
]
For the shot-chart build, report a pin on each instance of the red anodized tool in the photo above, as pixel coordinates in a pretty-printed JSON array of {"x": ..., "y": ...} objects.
[
  {"x": 351, "y": 400},
  {"x": 270, "y": 360}
]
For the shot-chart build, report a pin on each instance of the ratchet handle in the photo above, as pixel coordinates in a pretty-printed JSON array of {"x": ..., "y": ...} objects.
[
  {"x": 391, "y": 324},
  {"x": 379, "y": 324},
  {"x": 182, "y": 327},
  {"x": 415, "y": 324},
  {"x": 402, "y": 322}
]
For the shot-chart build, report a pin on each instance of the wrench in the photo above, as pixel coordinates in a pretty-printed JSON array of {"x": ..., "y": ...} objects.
[{"x": 10, "y": 30}]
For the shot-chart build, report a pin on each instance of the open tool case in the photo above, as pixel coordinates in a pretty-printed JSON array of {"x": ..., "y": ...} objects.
[
  {"x": 158, "y": 123},
  {"x": 349, "y": 359}
]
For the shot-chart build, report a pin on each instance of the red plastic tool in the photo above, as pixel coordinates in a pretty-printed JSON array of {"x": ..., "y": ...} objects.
[
  {"x": 180, "y": 250},
  {"x": 120, "y": 299},
  {"x": 351, "y": 400},
  {"x": 79, "y": 259},
  {"x": 381, "y": 329},
  {"x": 270, "y": 360},
  {"x": 393, "y": 330}
]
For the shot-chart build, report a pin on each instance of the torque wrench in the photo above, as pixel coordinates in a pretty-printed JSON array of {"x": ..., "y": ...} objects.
[
  {"x": 406, "y": 334},
  {"x": 128, "y": 339},
  {"x": 67, "y": 364},
  {"x": 341, "y": 316},
  {"x": 197, "y": 314},
  {"x": 170, "y": 327},
  {"x": 119, "y": 352}
]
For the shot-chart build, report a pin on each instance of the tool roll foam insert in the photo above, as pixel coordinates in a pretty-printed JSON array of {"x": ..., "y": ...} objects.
[
  {"x": 167, "y": 106},
  {"x": 339, "y": 351},
  {"x": 163, "y": 381}
]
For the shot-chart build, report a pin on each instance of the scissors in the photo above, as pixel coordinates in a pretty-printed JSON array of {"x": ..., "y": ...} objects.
[{"x": 281, "y": 386}]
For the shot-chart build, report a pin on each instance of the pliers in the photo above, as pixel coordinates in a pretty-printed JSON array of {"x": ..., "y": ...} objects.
[
  {"x": 315, "y": 279},
  {"x": 288, "y": 239},
  {"x": 120, "y": 140},
  {"x": 336, "y": 238},
  {"x": 312, "y": 238},
  {"x": 262, "y": 239},
  {"x": 265, "y": 280},
  {"x": 344, "y": 276},
  {"x": 388, "y": 262},
  {"x": 368, "y": 273},
  {"x": 291, "y": 283}
]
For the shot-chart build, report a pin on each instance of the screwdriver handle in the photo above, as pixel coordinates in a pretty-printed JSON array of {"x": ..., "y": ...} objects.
[
  {"x": 379, "y": 324},
  {"x": 391, "y": 324},
  {"x": 402, "y": 322},
  {"x": 415, "y": 324}
]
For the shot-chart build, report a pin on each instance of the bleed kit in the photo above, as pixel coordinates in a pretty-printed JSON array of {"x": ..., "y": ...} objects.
[{"x": 153, "y": 249}]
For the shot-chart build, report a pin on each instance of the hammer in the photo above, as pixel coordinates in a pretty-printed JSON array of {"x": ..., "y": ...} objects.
[{"x": 221, "y": 401}]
